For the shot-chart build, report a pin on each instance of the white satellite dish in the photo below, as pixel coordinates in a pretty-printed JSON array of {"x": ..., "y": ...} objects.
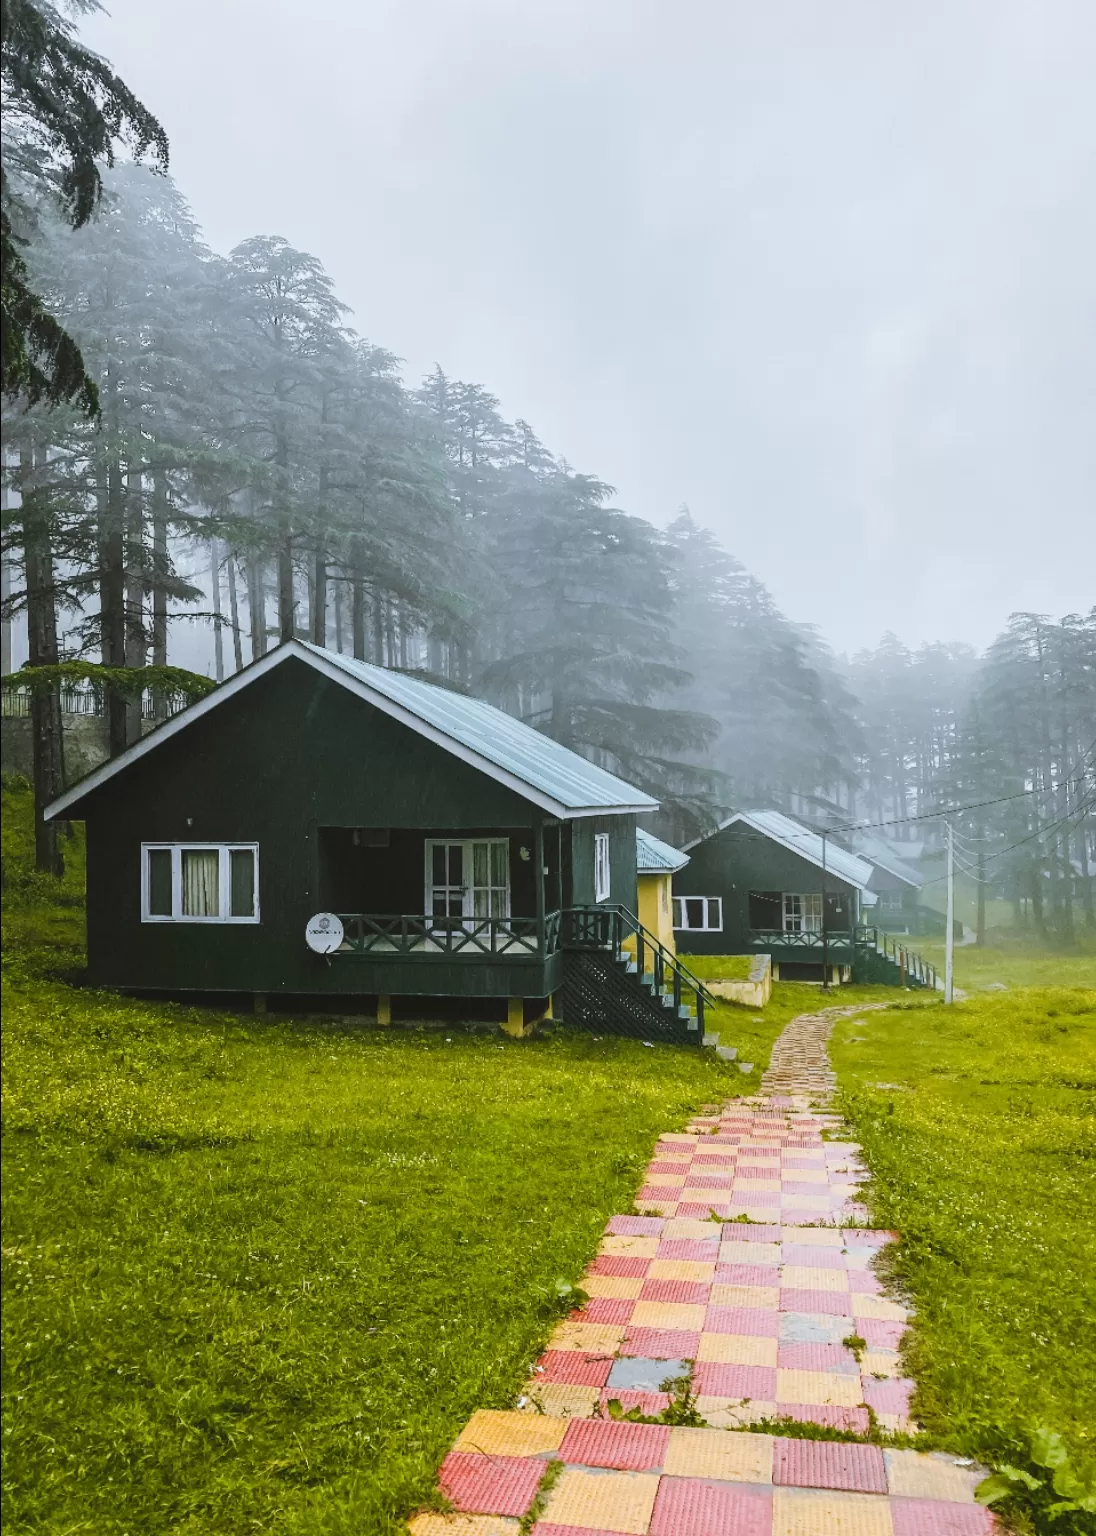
[{"x": 323, "y": 933}]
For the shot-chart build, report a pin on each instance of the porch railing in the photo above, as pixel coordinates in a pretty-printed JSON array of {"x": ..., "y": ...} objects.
[
  {"x": 611, "y": 927},
  {"x": 419, "y": 934},
  {"x": 841, "y": 942}
]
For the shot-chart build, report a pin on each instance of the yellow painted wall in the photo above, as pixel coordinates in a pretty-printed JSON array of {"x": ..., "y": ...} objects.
[{"x": 656, "y": 911}]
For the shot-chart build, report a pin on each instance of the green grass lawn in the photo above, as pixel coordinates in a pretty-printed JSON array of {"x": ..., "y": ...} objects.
[
  {"x": 978, "y": 1125},
  {"x": 1014, "y": 963},
  {"x": 259, "y": 1272}
]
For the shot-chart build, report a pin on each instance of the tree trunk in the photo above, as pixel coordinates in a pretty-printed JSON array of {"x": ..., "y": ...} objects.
[
  {"x": 112, "y": 597},
  {"x": 389, "y": 635},
  {"x": 215, "y": 589},
  {"x": 256, "y": 602},
  {"x": 338, "y": 616},
  {"x": 45, "y": 703},
  {"x": 287, "y": 596},
  {"x": 378, "y": 628},
  {"x": 136, "y": 639},
  {"x": 318, "y": 612},
  {"x": 159, "y": 591},
  {"x": 234, "y": 613}
]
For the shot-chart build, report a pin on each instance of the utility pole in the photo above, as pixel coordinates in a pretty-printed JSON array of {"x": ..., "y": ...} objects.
[
  {"x": 981, "y": 900},
  {"x": 949, "y": 939},
  {"x": 825, "y": 936}
]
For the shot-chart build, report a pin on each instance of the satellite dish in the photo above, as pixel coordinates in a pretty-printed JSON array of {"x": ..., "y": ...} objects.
[{"x": 323, "y": 933}]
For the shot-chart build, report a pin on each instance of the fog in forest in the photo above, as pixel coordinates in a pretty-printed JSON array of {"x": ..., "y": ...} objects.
[{"x": 711, "y": 389}]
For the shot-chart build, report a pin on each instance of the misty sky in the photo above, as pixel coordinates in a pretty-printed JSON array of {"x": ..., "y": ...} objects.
[{"x": 824, "y": 271}]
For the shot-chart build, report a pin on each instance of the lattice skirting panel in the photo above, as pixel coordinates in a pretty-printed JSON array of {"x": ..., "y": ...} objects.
[{"x": 598, "y": 994}]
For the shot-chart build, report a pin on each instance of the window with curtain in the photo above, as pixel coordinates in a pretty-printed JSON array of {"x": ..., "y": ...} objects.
[{"x": 199, "y": 883}]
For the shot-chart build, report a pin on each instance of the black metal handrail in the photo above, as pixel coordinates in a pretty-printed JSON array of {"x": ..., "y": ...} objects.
[
  {"x": 909, "y": 962},
  {"x": 425, "y": 935},
  {"x": 610, "y": 926}
]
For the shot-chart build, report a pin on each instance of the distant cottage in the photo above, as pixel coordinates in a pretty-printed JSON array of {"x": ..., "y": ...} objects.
[
  {"x": 764, "y": 883},
  {"x": 320, "y": 831}
]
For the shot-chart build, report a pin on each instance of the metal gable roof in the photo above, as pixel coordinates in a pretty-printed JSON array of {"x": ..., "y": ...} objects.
[
  {"x": 654, "y": 857},
  {"x": 566, "y": 778},
  {"x": 797, "y": 838},
  {"x": 878, "y": 852},
  {"x": 534, "y": 766}
]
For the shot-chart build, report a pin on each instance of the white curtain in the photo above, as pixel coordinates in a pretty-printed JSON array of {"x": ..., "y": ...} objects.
[{"x": 201, "y": 882}]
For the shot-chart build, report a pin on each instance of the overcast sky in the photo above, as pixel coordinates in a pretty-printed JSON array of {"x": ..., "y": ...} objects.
[{"x": 824, "y": 271}]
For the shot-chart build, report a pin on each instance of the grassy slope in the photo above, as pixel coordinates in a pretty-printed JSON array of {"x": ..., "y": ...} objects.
[
  {"x": 1015, "y": 964},
  {"x": 977, "y": 1122},
  {"x": 258, "y": 1273}
]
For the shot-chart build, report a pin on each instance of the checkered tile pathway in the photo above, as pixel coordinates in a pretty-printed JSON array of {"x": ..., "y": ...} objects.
[{"x": 745, "y": 1266}]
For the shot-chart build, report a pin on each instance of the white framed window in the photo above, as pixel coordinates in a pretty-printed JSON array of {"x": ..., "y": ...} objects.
[
  {"x": 602, "y": 880},
  {"x": 698, "y": 914},
  {"x": 803, "y": 913},
  {"x": 199, "y": 882}
]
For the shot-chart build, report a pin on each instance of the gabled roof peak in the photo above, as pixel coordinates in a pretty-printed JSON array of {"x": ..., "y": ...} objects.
[{"x": 539, "y": 769}]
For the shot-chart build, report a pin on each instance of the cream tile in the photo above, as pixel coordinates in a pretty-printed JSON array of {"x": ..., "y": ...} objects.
[
  {"x": 736, "y": 1349},
  {"x": 602, "y": 1501},
  {"x": 818, "y": 1387},
  {"x": 714, "y": 1453}
]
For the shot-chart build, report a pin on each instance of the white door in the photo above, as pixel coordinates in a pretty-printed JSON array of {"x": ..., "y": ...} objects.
[{"x": 468, "y": 879}]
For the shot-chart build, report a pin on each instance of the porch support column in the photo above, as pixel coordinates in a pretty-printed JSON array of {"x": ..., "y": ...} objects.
[
  {"x": 515, "y": 1017},
  {"x": 384, "y": 1009},
  {"x": 538, "y": 855}
]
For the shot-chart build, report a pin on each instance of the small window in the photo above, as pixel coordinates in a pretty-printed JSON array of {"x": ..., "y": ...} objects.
[
  {"x": 698, "y": 914},
  {"x": 602, "y": 882},
  {"x": 199, "y": 883}
]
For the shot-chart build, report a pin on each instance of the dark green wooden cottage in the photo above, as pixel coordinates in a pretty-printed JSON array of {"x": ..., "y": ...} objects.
[
  {"x": 763, "y": 883},
  {"x": 322, "y": 832},
  {"x": 756, "y": 885}
]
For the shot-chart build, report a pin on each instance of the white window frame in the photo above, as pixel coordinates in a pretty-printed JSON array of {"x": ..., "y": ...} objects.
[
  {"x": 801, "y": 911},
  {"x": 603, "y": 875},
  {"x": 224, "y": 881},
  {"x": 713, "y": 914}
]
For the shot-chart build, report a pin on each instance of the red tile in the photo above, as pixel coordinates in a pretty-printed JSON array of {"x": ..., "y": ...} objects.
[
  {"x": 709, "y": 1180},
  {"x": 829, "y": 1464},
  {"x": 745, "y": 1194},
  {"x": 888, "y": 1396},
  {"x": 651, "y": 1403},
  {"x": 661, "y": 1344},
  {"x": 636, "y": 1226},
  {"x": 746, "y": 1274},
  {"x": 855, "y": 1419},
  {"x": 689, "y": 1291},
  {"x": 750, "y": 1232},
  {"x": 860, "y": 1237},
  {"x": 757, "y": 1322},
  {"x": 650, "y": 1193},
  {"x": 863, "y": 1283},
  {"x": 620, "y": 1264},
  {"x": 753, "y": 1381},
  {"x": 605, "y": 1309},
  {"x": 574, "y": 1368},
  {"x": 935, "y": 1517},
  {"x": 605, "y": 1443},
  {"x": 490, "y": 1485},
  {"x": 817, "y": 1357},
  {"x": 878, "y": 1332},
  {"x": 695, "y": 1212},
  {"x": 690, "y": 1506},
  {"x": 691, "y": 1248},
  {"x": 832, "y": 1303}
]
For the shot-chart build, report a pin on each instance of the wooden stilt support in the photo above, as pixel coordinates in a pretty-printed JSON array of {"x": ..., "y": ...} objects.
[
  {"x": 515, "y": 1017},
  {"x": 384, "y": 1009}
]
